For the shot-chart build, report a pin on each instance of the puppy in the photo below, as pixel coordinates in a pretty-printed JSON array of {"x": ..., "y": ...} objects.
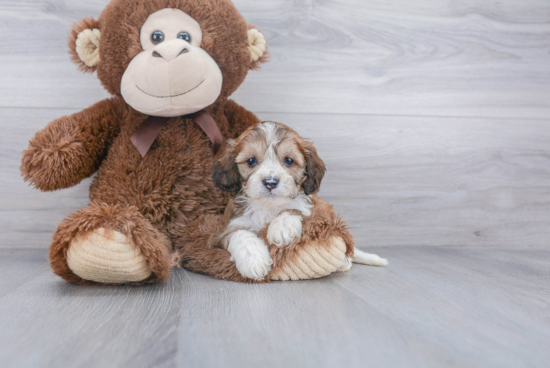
[{"x": 272, "y": 174}]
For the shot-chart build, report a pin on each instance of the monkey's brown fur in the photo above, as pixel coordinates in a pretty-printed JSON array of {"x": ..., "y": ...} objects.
[{"x": 153, "y": 199}]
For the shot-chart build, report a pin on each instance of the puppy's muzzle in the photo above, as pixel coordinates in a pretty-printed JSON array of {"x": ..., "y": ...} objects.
[{"x": 271, "y": 183}]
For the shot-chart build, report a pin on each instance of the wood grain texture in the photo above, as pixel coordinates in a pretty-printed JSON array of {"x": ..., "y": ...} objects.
[
  {"x": 429, "y": 308},
  {"x": 432, "y": 117},
  {"x": 467, "y": 58},
  {"x": 405, "y": 179},
  {"x": 397, "y": 181}
]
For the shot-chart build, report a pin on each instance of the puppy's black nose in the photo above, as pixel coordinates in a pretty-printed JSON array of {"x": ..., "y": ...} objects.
[{"x": 271, "y": 183}]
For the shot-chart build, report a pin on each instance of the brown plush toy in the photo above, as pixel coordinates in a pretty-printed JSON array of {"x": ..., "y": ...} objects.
[{"x": 171, "y": 66}]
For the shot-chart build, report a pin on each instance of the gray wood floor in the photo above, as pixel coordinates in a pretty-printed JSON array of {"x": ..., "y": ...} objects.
[
  {"x": 433, "y": 307},
  {"x": 433, "y": 119}
]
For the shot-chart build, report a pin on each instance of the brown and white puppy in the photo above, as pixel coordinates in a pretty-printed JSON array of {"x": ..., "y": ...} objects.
[{"x": 272, "y": 173}]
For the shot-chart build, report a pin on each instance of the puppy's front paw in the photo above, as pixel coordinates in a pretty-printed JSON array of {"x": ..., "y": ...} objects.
[
  {"x": 284, "y": 229},
  {"x": 250, "y": 254}
]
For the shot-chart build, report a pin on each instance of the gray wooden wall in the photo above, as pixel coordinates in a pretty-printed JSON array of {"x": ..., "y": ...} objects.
[{"x": 433, "y": 116}]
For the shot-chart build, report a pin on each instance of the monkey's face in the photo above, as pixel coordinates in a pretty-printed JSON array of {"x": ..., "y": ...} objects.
[
  {"x": 173, "y": 75},
  {"x": 168, "y": 57}
]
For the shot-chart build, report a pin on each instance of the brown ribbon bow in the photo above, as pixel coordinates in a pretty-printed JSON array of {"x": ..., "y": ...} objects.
[{"x": 149, "y": 130}]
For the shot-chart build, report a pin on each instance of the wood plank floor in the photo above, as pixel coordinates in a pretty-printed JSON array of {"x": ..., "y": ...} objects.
[
  {"x": 433, "y": 119},
  {"x": 432, "y": 307}
]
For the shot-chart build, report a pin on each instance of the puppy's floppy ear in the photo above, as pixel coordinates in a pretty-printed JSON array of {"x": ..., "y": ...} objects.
[
  {"x": 84, "y": 44},
  {"x": 315, "y": 169},
  {"x": 225, "y": 173}
]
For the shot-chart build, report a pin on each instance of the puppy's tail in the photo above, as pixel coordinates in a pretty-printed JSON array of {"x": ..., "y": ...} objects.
[{"x": 368, "y": 259}]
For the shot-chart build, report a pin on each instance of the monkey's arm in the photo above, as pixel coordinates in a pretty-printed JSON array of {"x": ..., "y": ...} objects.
[
  {"x": 71, "y": 148},
  {"x": 238, "y": 118}
]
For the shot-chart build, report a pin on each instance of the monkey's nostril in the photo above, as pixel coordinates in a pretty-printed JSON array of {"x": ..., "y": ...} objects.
[
  {"x": 156, "y": 54},
  {"x": 184, "y": 51}
]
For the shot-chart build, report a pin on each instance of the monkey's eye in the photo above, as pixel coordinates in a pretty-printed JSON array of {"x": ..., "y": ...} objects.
[
  {"x": 288, "y": 161},
  {"x": 251, "y": 162},
  {"x": 184, "y": 36},
  {"x": 157, "y": 37}
]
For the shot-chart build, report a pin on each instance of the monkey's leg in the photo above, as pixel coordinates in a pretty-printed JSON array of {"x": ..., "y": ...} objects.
[
  {"x": 106, "y": 244},
  {"x": 195, "y": 254},
  {"x": 311, "y": 260},
  {"x": 326, "y": 246}
]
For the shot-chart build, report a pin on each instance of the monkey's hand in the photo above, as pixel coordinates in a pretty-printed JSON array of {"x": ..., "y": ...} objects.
[{"x": 71, "y": 148}]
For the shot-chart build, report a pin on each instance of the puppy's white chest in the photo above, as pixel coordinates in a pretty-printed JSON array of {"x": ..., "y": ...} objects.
[
  {"x": 255, "y": 218},
  {"x": 257, "y": 215}
]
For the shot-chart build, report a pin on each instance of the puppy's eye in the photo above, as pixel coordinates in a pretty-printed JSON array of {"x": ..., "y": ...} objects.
[
  {"x": 184, "y": 36},
  {"x": 157, "y": 37},
  {"x": 251, "y": 162},
  {"x": 288, "y": 161}
]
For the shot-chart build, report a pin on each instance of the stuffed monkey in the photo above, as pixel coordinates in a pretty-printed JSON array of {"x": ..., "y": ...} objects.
[{"x": 170, "y": 66}]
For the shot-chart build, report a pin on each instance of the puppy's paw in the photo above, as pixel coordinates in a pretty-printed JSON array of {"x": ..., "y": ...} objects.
[
  {"x": 284, "y": 229},
  {"x": 250, "y": 254}
]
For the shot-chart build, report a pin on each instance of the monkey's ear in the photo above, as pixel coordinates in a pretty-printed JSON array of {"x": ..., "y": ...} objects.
[
  {"x": 84, "y": 44},
  {"x": 225, "y": 173},
  {"x": 315, "y": 169},
  {"x": 258, "y": 48}
]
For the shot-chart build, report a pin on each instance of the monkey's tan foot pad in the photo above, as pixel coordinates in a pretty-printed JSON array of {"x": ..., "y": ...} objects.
[
  {"x": 107, "y": 256},
  {"x": 314, "y": 261}
]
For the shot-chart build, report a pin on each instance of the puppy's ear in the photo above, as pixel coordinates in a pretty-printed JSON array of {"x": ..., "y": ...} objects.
[
  {"x": 315, "y": 169},
  {"x": 225, "y": 173}
]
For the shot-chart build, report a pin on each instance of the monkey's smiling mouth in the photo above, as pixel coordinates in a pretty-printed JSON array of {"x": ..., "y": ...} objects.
[{"x": 181, "y": 94}]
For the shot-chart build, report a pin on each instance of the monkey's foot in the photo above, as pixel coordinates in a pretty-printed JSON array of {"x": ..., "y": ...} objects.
[
  {"x": 109, "y": 244},
  {"x": 107, "y": 257},
  {"x": 313, "y": 261}
]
